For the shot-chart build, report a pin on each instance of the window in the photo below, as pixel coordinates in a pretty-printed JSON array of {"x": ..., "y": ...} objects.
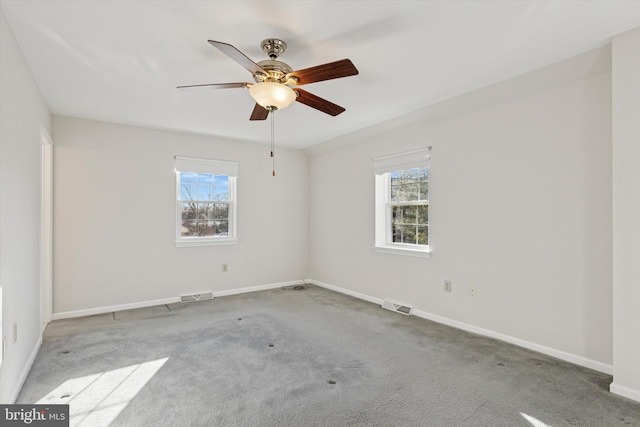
[
  {"x": 402, "y": 203},
  {"x": 205, "y": 199}
]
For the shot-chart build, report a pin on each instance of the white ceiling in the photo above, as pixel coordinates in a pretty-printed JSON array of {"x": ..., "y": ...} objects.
[{"x": 120, "y": 61}]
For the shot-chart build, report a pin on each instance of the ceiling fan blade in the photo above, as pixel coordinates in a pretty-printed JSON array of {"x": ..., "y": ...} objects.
[
  {"x": 238, "y": 56},
  {"x": 318, "y": 103},
  {"x": 214, "y": 86},
  {"x": 332, "y": 70},
  {"x": 259, "y": 113}
]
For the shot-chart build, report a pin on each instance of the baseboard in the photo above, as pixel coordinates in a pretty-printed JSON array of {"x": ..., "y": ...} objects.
[
  {"x": 558, "y": 354},
  {"x": 255, "y": 288},
  {"x": 568, "y": 357},
  {"x": 25, "y": 372},
  {"x": 151, "y": 303},
  {"x": 346, "y": 291},
  {"x": 112, "y": 308},
  {"x": 623, "y": 391}
]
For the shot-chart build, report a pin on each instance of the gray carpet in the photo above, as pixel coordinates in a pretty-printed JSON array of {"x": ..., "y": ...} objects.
[{"x": 307, "y": 357}]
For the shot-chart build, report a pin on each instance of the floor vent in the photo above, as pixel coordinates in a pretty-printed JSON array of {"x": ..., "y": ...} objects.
[
  {"x": 196, "y": 297},
  {"x": 398, "y": 307}
]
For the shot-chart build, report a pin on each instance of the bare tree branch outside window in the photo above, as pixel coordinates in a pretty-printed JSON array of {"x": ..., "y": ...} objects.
[{"x": 204, "y": 200}]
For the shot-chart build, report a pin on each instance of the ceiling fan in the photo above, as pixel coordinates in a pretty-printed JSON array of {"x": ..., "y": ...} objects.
[{"x": 276, "y": 84}]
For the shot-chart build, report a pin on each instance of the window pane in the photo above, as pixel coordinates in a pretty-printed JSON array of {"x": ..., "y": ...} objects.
[
  {"x": 188, "y": 185},
  {"x": 409, "y": 224},
  {"x": 412, "y": 191},
  {"x": 412, "y": 175},
  {"x": 423, "y": 234},
  {"x": 410, "y": 185},
  {"x": 406, "y": 214},
  {"x": 394, "y": 193},
  {"x": 221, "y": 228},
  {"x": 221, "y": 188},
  {"x": 205, "y": 219},
  {"x": 424, "y": 190},
  {"x": 220, "y": 211},
  {"x": 398, "y": 193},
  {"x": 205, "y": 211},
  {"x": 396, "y": 234},
  {"x": 404, "y": 233},
  {"x": 423, "y": 214},
  {"x": 396, "y": 215},
  {"x": 205, "y": 186},
  {"x": 410, "y": 214},
  {"x": 189, "y": 227},
  {"x": 189, "y": 211},
  {"x": 395, "y": 185},
  {"x": 200, "y": 211}
]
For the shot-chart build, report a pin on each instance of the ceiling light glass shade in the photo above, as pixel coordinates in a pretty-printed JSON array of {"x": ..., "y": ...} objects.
[{"x": 269, "y": 94}]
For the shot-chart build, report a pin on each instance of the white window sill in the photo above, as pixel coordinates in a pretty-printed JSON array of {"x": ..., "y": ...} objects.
[
  {"x": 205, "y": 242},
  {"x": 406, "y": 251}
]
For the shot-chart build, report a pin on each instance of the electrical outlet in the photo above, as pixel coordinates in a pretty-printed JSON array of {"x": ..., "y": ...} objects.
[
  {"x": 225, "y": 268},
  {"x": 447, "y": 285},
  {"x": 15, "y": 332},
  {"x": 473, "y": 291}
]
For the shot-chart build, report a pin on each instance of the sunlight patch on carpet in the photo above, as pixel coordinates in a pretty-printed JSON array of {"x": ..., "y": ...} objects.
[
  {"x": 96, "y": 400},
  {"x": 534, "y": 421}
]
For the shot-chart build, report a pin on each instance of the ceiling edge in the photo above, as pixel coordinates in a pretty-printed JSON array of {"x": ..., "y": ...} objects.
[{"x": 593, "y": 63}]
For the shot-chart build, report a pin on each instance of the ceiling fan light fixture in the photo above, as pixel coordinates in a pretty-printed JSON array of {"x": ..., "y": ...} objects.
[{"x": 270, "y": 95}]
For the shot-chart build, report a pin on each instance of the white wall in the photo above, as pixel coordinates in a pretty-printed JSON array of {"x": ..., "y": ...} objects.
[
  {"x": 520, "y": 207},
  {"x": 626, "y": 214},
  {"x": 22, "y": 111},
  {"x": 114, "y": 217}
]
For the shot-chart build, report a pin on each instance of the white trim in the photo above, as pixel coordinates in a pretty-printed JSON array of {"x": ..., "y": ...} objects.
[
  {"x": 377, "y": 301},
  {"x": 403, "y": 251},
  {"x": 198, "y": 165},
  {"x": 559, "y": 354},
  {"x": 46, "y": 228},
  {"x": 402, "y": 161},
  {"x": 199, "y": 241},
  {"x": 112, "y": 308},
  {"x": 623, "y": 391},
  {"x": 25, "y": 372},
  {"x": 151, "y": 303},
  {"x": 256, "y": 288},
  {"x": 382, "y": 230}
]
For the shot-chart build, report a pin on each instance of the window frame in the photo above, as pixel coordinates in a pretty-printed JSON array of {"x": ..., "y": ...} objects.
[
  {"x": 384, "y": 167},
  {"x": 216, "y": 168}
]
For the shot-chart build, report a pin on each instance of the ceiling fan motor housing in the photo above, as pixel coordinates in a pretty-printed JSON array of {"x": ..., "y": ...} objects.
[
  {"x": 273, "y": 47},
  {"x": 276, "y": 72}
]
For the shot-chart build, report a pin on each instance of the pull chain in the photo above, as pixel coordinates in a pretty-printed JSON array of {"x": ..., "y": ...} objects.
[{"x": 273, "y": 158}]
